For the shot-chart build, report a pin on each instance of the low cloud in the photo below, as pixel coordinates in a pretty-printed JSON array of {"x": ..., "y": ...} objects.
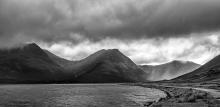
[
  {"x": 145, "y": 51},
  {"x": 56, "y": 20}
]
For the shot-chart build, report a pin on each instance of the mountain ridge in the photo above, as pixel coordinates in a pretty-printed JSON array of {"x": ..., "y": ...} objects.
[
  {"x": 207, "y": 72},
  {"x": 168, "y": 70},
  {"x": 30, "y": 63}
]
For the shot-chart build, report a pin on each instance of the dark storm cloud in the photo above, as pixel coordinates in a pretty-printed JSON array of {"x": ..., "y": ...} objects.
[
  {"x": 148, "y": 31},
  {"x": 55, "y": 20},
  {"x": 167, "y": 18}
]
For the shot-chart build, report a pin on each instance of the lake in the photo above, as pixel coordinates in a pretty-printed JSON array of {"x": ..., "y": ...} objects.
[{"x": 76, "y": 95}]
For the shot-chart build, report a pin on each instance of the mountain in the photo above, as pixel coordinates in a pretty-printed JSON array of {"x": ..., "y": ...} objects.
[
  {"x": 31, "y": 64},
  {"x": 103, "y": 66},
  {"x": 168, "y": 70},
  {"x": 110, "y": 66},
  {"x": 28, "y": 63},
  {"x": 207, "y": 72}
]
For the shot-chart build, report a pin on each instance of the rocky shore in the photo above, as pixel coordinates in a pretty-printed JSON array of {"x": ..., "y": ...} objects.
[{"x": 181, "y": 97}]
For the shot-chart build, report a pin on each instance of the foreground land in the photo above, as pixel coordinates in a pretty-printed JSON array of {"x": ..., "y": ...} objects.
[{"x": 182, "y": 95}]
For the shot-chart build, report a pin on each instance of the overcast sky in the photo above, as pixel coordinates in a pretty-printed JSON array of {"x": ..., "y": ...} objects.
[{"x": 147, "y": 31}]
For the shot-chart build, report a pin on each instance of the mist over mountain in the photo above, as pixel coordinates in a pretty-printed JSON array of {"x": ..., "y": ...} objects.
[
  {"x": 168, "y": 70},
  {"x": 207, "y": 72}
]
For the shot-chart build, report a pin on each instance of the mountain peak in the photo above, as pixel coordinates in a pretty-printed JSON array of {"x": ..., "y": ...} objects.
[
  {"x": 176, "y": 61},
  {"x": 33, "y": 48},
  {"x": 113, "y": 54},
  {"x": 179, "y": 61},
  {"x": 108, "y": 50},
  {"x": 31, "y": 45},
  {"x": 182, "y": 62},
  {"x": 113, "y": 50}
]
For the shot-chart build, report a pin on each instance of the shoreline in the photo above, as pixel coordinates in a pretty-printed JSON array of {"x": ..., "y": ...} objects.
[
  {"x": 176, "y": 96},
  {"x": 180, "y": 97}
]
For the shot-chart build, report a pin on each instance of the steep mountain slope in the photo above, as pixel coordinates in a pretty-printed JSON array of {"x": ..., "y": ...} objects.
[
  {"x": 168, "y": 70},
  {"x": 207, "y": 72},
  {"x": 67, "y": 65},
  {"x": 28, "y": 63},
  {"x": 107, "y": 66}
]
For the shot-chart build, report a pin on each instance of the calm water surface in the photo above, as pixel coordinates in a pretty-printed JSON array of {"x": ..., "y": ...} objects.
[{"x": 76, "y": 95}]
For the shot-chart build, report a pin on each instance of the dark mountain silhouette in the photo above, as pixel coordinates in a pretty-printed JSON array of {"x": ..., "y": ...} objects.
[
  {"x": 103, "y": 66},
  {"x": 168, "y": 70},
  {"x": 207, "y": 72},
  {"x": 28, "y": 63}
]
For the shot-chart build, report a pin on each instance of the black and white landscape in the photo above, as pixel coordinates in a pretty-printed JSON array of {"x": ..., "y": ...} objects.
[{"x": 109, "y": 53}]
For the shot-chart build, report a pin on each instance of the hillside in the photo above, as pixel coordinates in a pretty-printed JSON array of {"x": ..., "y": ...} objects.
[
  {"x": 28, "y": 63},
  {"x": 102, "y": 66},
  {"x": 207, "y": 72},
  {"x": 108, "y": 66},
  {"x": 168, "y": 70}
]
